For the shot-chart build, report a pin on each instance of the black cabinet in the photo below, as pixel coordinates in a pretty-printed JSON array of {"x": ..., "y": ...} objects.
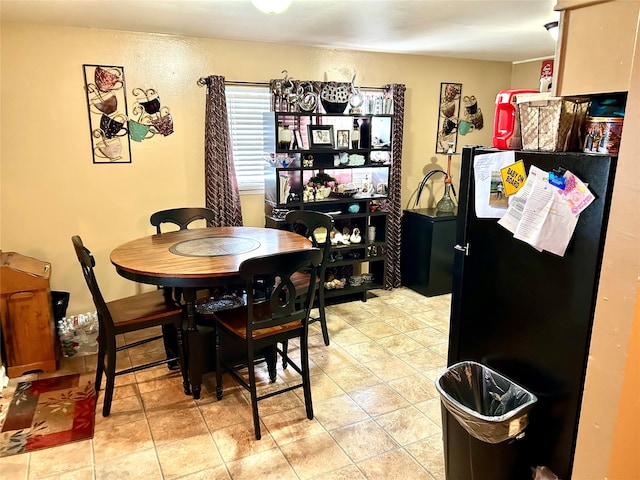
[{"x": 428, "y": 238}]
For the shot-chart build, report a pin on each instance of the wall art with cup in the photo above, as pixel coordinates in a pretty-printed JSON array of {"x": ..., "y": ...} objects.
[
  {"x": 151, "y": 116},
  {"x": 448, "y": 116},
  {"x": 108, "y": 116},
  {"x": 472, "y": 114}
]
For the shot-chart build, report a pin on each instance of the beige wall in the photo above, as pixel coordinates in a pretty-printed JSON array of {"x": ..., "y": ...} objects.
[
  {"x": 526, "y": 75},
  {"x": 50, "y": 189}
]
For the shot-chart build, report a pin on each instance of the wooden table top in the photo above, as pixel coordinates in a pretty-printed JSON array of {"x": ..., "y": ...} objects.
[{"x": 192, "y": 258}]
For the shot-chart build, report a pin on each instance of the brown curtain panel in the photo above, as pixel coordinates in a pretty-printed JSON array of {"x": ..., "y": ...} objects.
[
  {"x": 395, "y": 187},
  {"x": 221, "y": 187}
]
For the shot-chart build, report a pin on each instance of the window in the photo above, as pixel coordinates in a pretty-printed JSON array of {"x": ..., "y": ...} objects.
[{"x": 246, "y": 108}]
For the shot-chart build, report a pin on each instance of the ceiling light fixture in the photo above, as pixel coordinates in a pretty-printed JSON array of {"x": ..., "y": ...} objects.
[
  {"x": 271, "y": 7},
  {"x": 552, "y": 28}
]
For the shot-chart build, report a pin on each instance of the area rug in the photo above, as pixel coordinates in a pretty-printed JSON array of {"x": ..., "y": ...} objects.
[{"x": 47, "y": 413}]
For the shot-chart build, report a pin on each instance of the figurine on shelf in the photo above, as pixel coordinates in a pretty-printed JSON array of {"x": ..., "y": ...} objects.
[
  {"x": 355, "y": 236},
  {"x": 308, "y": 194},
  {"x": 338, "y": 238}
]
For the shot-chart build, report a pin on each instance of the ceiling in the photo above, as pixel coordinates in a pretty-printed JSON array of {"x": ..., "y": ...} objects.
[{"x": 502, "y": 30}]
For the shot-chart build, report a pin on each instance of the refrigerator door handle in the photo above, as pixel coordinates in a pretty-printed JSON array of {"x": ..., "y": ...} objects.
[{"x": 464, "y": 249}]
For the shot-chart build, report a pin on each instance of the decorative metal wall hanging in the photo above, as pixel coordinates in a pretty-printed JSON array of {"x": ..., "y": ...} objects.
[
  {"x": 108, "y": 115},
  {"x": 151, "y": 117},
  {"x": 448, "y": 116}
]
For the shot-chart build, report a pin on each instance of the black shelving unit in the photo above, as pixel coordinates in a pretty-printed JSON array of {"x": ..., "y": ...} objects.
[{"x": 369, "y": 161}]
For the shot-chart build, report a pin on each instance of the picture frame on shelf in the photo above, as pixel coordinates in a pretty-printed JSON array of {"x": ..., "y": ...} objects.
[
  {"x": 381, "y": 133},
  {"x": 342, "y": 138},
  {"x": 321, "y": 136}
]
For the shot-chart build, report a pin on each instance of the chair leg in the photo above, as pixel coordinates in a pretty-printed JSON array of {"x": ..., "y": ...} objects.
[
  {"x": 323, "y": 318},
  {"x": 110, "y": 373},
  {"x": 218, "y": 363},
  {"x": 306, "y": 377},
  {"x": 100, "y": 366},
  {"x": 254, "y": 396},
  {"x": 285, "y": 350},
  {"x": 272, "y": 359}
]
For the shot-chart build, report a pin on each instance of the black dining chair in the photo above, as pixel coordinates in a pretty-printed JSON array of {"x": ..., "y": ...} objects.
[
  {"x": 182, "y": 217},
  {"x": 129, "y": 314},
  {"x": 252, "y": 332},
  {"x": 315, "y": 226}
]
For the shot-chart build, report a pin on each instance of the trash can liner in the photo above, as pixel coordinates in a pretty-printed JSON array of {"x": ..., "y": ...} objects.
[{"x": 488, "y": 405}]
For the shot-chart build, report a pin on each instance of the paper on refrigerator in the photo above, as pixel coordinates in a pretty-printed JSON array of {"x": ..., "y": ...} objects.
[
  {"x": 483, "y": 166},
  {"x": 539, "y": 215},
  {"x": 517, "y": 201}
]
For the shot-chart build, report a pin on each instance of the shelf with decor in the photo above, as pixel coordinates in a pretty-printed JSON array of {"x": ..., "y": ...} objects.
[{"x": 336, "y": 163}]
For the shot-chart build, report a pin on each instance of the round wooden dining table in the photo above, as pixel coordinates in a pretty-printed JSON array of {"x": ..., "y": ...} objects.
[{"x": 195, "y": 259}]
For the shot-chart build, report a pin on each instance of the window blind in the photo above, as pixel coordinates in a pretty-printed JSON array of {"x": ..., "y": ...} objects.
[{"x": 250, "y": 137}]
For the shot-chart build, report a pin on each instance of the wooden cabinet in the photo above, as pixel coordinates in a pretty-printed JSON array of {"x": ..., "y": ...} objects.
[
  {"x": 28, "y": 327},
  {"x": 427, "y": 251},
  {"x": 350, "y": 164},
  {"x": 595, "y": 47}
]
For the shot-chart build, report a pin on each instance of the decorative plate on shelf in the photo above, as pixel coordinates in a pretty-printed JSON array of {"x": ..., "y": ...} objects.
[{"x": 345, "y": 194}]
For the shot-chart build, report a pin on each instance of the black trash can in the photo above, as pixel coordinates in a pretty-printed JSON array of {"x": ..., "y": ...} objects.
[{"x": 484, "y": 417}]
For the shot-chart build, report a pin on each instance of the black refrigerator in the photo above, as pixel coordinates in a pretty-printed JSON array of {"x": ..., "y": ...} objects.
[{"x": 527, "y": 315}]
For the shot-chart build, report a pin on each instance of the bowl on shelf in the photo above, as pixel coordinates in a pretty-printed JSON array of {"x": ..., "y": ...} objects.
[
  {"x": 332, "y": 107},
  {"x": 343, "y": 194}
]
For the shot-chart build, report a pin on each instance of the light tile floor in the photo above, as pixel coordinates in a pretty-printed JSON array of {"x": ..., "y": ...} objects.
[{"x": 377, "y": 412}]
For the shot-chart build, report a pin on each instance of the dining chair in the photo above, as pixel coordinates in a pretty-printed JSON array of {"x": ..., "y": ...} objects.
[
  {"x": 316, "y": 227},
  {"x": 129, "y": 314},
  {"x": 262, "y": 323},
  {"x": 182, "y": 217}
]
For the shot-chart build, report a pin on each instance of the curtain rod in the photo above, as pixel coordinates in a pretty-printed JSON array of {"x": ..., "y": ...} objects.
[{"x": 202, "y": 81}]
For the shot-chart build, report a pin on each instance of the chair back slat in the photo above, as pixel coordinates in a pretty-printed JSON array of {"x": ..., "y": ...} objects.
[
  {"x": 281, "y": 306},
  {"x": 181, "y": 217}
]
